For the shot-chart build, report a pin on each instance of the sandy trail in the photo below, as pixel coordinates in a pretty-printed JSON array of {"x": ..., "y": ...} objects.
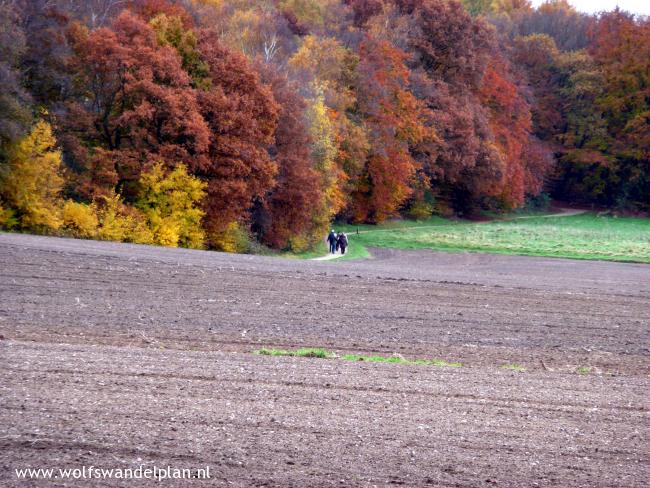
[{"x": 329, "y": 257}]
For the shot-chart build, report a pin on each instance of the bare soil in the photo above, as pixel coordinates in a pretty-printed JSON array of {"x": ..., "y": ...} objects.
[{"x": 117, "y": 355}]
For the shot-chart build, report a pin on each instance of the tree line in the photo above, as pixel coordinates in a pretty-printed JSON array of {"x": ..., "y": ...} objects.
[{"x": 232, "y": 124}]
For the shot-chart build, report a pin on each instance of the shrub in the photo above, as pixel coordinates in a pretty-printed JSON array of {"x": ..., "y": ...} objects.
[
  {"x": 119, "y": 222},
  {"x": 7, "y": 218},
  {"x": 541, "y": 202},
  {"x": 80, "y": 220},
  {"x": 299, "y": 243},
  {"x": 420, "y": 210},
  {"x": 171, "y": 204},
  {"x": 232, "y": 239}
]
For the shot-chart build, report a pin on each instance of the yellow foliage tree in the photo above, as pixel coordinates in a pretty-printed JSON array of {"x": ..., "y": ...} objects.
[
  {"x": 7, "y": 220},
  {"x": 307, "y": 11},
  {"x": 171, "y": 203},
  {"x": 32, "y": 184},
  {"x": 325, "y": 150},
  {"x": 323, "y": 57},
  {"x": 317, "y": 15},
  {"x": 331, "y": 65}
]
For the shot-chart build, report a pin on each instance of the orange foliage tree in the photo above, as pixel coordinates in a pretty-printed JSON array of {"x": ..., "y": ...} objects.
[
  {"x": 511, "y": 127},
  {"x": 396, "y": 121}
]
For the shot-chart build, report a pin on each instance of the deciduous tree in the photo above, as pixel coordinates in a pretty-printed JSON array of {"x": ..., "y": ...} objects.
[
  {"x": 294, "y": 213},
  {"x": 32, "y": 183},
  {"x": 396, "y": 121}
]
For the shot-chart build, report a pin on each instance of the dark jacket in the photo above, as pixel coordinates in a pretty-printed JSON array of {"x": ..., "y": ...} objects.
[
  {"x": 332, "y": 238},
  {"x": 343, "y": 240}
]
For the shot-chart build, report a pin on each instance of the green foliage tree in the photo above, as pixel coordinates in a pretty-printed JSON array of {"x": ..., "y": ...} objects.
[
  {"x": 478, "y": 7},
  {"x": 170, "y": 31}
]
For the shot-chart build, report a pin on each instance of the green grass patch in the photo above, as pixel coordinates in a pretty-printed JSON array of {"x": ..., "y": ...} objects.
[
  {"x": 313, "y": 353},
  {"x": 325, "y": 354},
  {"x": 272, "y": 352},
  {"x": 585, "y": 236},
  {"x": 356, "y": 252},
  {"x": 401, "y": 360},
  {"x": 514, "y": 367},
  {"x": 445, "y": 364},
  {"x": 307, "y": 352},
  {"x": 583, "y": 370}
]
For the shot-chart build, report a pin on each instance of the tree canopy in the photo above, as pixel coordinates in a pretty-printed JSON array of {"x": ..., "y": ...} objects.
[{"x": 226, "y": 123}]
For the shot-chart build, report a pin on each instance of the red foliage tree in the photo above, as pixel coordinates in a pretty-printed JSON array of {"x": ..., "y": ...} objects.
[
  {"x": 137, "y": 106},
  {"x": 364, "y": 10},
  {"x": 449, "y": 44},
  {"x": 510, "y": 124},
  {"x": 148, "y": 9},
  {"x": 242, "y": 117},
  {"x": 451, "y": 51},
  {"x": 537, "y": 54},
  {"x": 291, "y": 208},
  {"x": 479, "y": 112}
]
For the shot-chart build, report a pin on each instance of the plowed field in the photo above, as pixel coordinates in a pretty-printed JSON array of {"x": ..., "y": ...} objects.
[{"x": 117, "y": 356}]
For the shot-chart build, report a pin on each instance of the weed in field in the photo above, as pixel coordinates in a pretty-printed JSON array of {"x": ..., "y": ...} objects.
[
  {"x": 375, "y": 359},
  {"x": 514, "y": 367},
  {"x": 584, "y": 370},
  {"x": 401, "y": 360}
]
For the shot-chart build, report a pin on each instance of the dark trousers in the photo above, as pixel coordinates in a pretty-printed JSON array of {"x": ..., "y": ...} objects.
[
  {"x": 333, "y": 247},
  {"x": 343, "y": 249}
]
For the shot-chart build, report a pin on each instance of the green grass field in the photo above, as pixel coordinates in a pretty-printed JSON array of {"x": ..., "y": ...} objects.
[{"x": 585, "y": 236}]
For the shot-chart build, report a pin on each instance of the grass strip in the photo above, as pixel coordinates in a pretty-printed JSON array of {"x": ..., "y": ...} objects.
[
  {"x": 300, "y": 353},
  {"x": 402, "y": 360},
  {"x": 324, "y": 354},
  {"x": 514, "y": 367}
]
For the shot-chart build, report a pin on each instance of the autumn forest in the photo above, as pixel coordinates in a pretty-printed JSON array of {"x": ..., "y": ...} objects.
[{"x": 239, "y": 125}]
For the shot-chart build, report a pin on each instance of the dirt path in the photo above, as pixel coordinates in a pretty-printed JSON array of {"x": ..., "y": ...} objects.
[
  {"x": 328, "y": 257},
  {"x": 564, "y": 212},
  {"x": 120, "y": 355}
]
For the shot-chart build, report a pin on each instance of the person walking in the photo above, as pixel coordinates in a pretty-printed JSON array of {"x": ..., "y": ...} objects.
[
  {"x": 332, "y": 240},
  {"x": 343, "y": 242}
]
